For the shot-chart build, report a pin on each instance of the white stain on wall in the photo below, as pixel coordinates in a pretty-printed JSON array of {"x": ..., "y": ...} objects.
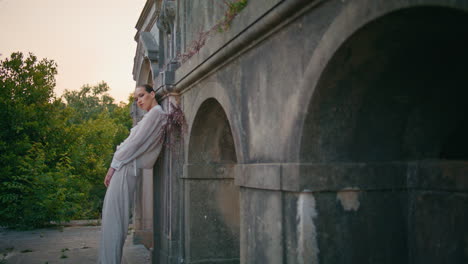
[
  {"x": 307, "y": 235},
  {"x": 349, "y": 198}
]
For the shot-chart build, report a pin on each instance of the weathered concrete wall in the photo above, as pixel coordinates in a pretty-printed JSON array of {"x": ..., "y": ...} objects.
[
  {"x": 168, "y": 200},
  {"x": 143, "y": 214},
  {"x": 211, "y": 198},
  {"x": 257, "y": 91},
  {"x": 330, "y": 123}
]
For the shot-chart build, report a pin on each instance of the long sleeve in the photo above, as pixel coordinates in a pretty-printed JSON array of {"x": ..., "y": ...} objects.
[{"x": 144, "y": 136}]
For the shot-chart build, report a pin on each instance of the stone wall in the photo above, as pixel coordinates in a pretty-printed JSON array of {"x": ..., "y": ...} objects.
[{"x": 318, "y": 132}]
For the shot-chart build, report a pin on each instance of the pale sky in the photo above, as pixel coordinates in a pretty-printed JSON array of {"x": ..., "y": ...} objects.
[{"x": 91, "y": 40}]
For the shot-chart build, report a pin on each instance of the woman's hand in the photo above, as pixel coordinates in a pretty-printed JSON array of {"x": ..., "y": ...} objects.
[{"x": 108, "y": 178}]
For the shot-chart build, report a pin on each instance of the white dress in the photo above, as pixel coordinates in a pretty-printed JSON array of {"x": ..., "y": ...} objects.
[{"x": 139, "y": 151}]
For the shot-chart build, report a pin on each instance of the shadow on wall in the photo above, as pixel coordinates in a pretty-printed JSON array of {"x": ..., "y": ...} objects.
[
  {"x": 395, "y": 93},
  {"x": 212, "y": 199}
]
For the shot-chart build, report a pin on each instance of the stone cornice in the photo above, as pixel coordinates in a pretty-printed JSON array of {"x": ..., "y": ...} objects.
[
  {"x": 152, "y": 21},
  {"x": 144, "y": 14},
  {"x": 251, "y": 26}
]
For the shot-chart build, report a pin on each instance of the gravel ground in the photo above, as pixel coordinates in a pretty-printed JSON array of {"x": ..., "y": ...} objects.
[{"x": 73, "y": 244}]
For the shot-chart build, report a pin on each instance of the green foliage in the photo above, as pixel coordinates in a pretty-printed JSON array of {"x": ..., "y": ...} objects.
[
  {"x": 54, "y": 152},
  {"x": 234, "y": 7},
  {"x": 89, "y": 101}
]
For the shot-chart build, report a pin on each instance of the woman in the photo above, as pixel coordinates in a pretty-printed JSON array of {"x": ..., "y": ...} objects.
[{"x": 139, "y": 150}]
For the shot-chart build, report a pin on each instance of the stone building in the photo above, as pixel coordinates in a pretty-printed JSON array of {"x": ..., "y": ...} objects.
[{"x": 331, "y": 131}]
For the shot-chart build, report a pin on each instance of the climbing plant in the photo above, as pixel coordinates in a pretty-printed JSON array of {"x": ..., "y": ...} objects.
[{"x": 233, "y": 8}]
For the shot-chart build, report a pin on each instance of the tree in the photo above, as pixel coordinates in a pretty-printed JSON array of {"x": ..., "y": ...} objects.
[
  {"x": 54, "y": 152},
  {"x": 90, "y": 101},
  {"x": 98, "y": 126},
  {"x": 26, "y": 102}
]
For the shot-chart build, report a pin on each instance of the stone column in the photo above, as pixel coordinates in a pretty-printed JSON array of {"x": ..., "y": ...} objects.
[
  {"x": 144, "y": 210},
  {"x": 167, "y": 195}
]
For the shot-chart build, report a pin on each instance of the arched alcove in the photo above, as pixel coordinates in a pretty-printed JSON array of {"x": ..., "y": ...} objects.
[
  {"x": 211, "y": 198},
  {"x": 387, "y": 128},
  {"x": 146, "y": 74},
  {"x": 395, "y": 85}
]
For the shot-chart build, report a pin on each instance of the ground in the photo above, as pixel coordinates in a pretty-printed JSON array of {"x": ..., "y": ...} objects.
[{"x": 74, "y": 244}]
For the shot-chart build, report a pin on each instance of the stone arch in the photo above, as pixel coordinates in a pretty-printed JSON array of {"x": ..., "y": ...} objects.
[
  {"x": 372, "y": 71},
  {"x": 145, "y": 77},
  {"x": 353, "y": 17},
  {"x": 383, "y": 134},
  {"x": 213, "y": 91},
  {"x": 220, "y": 136},
  {"x": 211, "y": 198},
  {"x": 146, "y": 73}
]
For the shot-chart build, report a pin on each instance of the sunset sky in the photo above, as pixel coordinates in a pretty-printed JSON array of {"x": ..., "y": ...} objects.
[{"x": 91, "y": 40}]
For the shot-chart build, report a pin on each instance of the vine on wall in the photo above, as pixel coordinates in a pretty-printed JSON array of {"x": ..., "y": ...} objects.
[{"x": 234, "y": 7}]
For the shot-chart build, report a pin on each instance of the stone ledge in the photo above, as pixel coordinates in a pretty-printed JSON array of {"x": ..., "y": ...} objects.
[
  {"x": 209, "y": 171},
  {"x": 438, "y": 175},
  {"x": 89, "y": 222},
  {"x": 339, "y": 176},
  {"x": 321, "y": 177},
  {"x": 262, "y": 176}
]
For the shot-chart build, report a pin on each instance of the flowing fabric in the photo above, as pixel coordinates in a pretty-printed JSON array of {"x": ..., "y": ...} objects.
[
  {"x": 139, "y": 150},
  {"x": 115, "y": 215},
  {"x": 143, "y": 144}
]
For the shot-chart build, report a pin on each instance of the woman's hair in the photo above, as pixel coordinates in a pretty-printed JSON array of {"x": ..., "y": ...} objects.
[{"x": 149, "y": 89}]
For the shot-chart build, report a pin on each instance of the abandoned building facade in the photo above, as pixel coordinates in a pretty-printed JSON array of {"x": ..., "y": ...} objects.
[{"x": 318, "y": 131}]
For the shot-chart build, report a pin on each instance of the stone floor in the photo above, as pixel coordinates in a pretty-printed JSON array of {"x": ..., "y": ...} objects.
[{"x": 75, "y": 244}]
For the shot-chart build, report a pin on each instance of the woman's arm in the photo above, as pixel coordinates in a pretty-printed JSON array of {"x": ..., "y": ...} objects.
[
  {"x": 147, "y": 132},
  {"x": 109, "y": 175}
]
